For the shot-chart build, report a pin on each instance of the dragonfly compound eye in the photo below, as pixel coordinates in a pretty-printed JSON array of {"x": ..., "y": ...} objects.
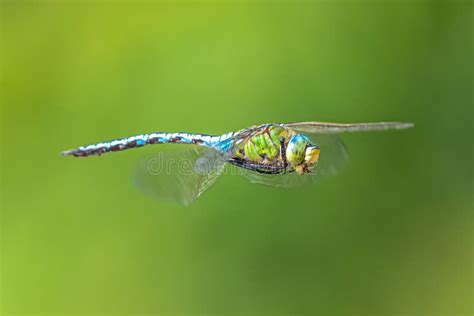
[{"x": 295, "y": 150}]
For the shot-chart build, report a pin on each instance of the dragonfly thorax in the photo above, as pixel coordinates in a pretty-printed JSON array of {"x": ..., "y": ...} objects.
[{"x": 301, "y": 154}]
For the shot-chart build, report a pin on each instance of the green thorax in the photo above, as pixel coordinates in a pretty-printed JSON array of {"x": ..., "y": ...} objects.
[{"x": 261, "y": 145}]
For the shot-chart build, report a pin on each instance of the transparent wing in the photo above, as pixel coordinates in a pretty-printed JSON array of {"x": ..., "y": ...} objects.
[
  {"x": 180, "y": 175},
  {"x": 332, "y": 158},
  {"x": 333, "y": 128}
]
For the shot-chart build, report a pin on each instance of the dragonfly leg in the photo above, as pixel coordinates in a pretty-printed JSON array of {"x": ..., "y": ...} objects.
[{"x": 283, "y": 154}]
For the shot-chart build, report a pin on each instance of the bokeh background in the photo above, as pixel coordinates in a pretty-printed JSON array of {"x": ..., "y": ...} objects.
[{"x": 391, "y": 235}]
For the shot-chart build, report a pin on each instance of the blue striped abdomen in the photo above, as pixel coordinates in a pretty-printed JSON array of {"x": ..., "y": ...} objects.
[{"x": 148, "y": 139}]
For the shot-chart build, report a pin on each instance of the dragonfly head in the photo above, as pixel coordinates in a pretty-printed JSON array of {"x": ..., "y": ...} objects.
[{"x": 301, "y": 154}]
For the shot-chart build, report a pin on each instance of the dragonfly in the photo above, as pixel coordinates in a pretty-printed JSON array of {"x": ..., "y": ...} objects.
[{"x": 281, "y": 155}]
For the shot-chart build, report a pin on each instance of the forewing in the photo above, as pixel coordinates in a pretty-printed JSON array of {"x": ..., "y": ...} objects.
[
  {"x": 181, "y": 175},
  {"x": 332, "y": 158},
  {"x": 334, "y": 128}
]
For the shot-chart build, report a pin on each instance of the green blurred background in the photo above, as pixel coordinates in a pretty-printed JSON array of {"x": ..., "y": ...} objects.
[{"x": 391, "y": 235}]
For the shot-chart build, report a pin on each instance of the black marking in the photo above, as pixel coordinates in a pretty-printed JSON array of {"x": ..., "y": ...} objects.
[
  {"x": 78, "y": 153},
  {"x": 175, "y": 139},
  {"x": 260, "y": 168},
  {"x": 267, "y": 131},
  {"x": 197, "y": 141},
  {"x": 101, "y": 150},
  {"x": 132, "y": 144},
  {"x": 117, "y": 147},
  {"x": 154, "y": 140},
  {"x": 283, "y": 152}
]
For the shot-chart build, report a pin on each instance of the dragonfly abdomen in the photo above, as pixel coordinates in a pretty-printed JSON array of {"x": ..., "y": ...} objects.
[{"x": 146, "y": 139}]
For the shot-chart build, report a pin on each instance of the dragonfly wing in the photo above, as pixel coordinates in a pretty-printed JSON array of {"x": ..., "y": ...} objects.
[
  {"x": 333, "y": 157},
  {"x": 333, "y": 128},
  {"x": 287, "y": 180},
  {"x": 180, "y": 175}
]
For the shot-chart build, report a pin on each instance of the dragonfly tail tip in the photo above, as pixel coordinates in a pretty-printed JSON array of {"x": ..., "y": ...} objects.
[{"x": 67, "y": 153}]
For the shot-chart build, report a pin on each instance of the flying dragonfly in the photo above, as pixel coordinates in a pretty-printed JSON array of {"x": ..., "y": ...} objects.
[{"x": 274, "y": 154}]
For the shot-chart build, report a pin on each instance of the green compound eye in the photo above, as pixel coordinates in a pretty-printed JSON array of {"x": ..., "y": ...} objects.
[{"x": 295, "y": 150}]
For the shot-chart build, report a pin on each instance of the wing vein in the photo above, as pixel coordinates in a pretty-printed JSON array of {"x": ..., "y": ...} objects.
[{"x": 333, "y": 128}]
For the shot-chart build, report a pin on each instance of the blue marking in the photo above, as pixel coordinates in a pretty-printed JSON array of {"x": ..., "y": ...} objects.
[
  {"x": 299, "y": 138},
  {"x": 185, "y": 140},
  {"x": 225, "y": 145}
]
